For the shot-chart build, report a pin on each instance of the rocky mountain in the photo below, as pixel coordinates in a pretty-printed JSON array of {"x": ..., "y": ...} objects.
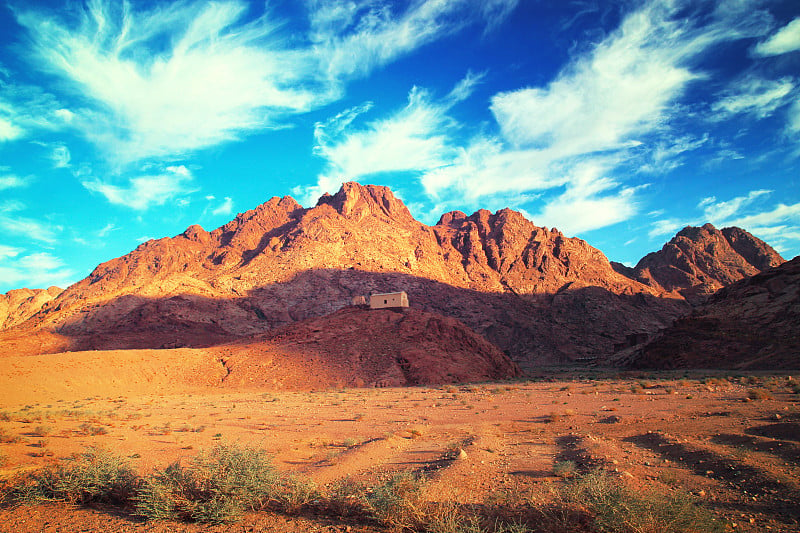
[
  {"x": 18, "y": 305},
  {"x": 700, "y": 260},
  {"x": 540, "y": 296},
  {"x": 750, "y": 324}
]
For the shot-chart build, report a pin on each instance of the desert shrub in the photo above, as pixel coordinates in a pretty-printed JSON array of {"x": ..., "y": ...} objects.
[
  {"x": 42, "y": 431},
  {"x": 399, "y": 503},
  {"x": 294, "y": 493},
  {"x": 759, "y": 394},
  {"x": 5, "y": 436},
  {"x": 92, "y": 430},
  {"x": 217, "y": 487},
  {"x": 346, "y": 497},
  {"x": 93, "y": 476},
  {"x": 615, "y": 507},
  {"x": 565, "y": 468},
  {"x": 447, "y": 517}
]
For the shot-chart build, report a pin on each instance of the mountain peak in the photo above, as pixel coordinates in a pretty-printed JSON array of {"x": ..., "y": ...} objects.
[
  {"x": 700, "y": 260},
  {"x": 357, "y": 201}
]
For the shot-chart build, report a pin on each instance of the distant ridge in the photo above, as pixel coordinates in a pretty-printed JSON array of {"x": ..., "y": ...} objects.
[
  {"x": 700, "y": 260},
  {"x": 751, "y": 324}
]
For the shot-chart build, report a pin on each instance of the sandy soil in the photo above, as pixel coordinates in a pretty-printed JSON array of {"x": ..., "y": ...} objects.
[{"x": 742, "y": 458}]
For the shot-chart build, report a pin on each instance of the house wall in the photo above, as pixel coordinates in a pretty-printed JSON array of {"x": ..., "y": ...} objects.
[{"x": 393, "y": 299}]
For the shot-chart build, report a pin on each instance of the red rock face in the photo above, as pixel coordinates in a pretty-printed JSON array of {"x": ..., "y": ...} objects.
[
  {"x": 699, "y": 261},
  {"x": 751, "y": 324},
  {"x": 540, "y": 296}
]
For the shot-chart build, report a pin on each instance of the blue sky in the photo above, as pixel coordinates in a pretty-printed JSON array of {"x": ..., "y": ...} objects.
[{"x": 616, "y": 121}]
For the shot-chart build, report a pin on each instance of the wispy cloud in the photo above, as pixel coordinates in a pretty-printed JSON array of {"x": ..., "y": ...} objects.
[
  {"x": 779, "y": 223},
  {"x": 225, "y": 208},
  {"x": 351, "y": 39},
  {"x": 143, "y": 192},
  {"x": 785, "y": 40},
  {"x": 218, "y": 77},
  {"x": 721, "y": 212},
  {"x": 163, "y": 81},
  {"x": 25, "y": 108},
  {"x": 414, "y": 138},
  {"x": 39, "y": 269},
  {"x": 107, "y": 229},
  {"x": 609, "y": 106},
  {"x": 60, "y": 156},
  {"x": 756, "y": 96},
  {"x": 9, "y": 251},
  {"x": 9, "y": 181},
  {"x": 27, "y": 228},
  {"x": 591, "y": 201}
]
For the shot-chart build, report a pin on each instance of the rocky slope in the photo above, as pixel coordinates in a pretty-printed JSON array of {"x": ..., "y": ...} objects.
[
  {"x": 19, "y": 305},
  {"x": 751, "y": 324},
  {"x": 542, "y": 297},
  {"x": 700, "y": 260},
  {"x": 357, "y": 347}
]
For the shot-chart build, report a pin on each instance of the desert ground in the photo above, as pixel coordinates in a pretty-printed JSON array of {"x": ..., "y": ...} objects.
[{"x": 732, "y": 441}]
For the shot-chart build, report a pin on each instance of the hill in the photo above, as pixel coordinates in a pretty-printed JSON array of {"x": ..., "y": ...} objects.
[{"x": 751, "y": 324}]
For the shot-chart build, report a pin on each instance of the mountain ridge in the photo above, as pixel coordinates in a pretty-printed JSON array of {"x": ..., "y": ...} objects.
[{"x": 539, "y": 295}]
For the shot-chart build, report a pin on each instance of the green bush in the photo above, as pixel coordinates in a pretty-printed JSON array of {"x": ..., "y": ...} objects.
[
  {"x": 93, "y": 476},
  {"x": 617, "y": 508},
  {"x": 217, "y": 487},
  {"x": 399, "y": 502},
  {"x": 346, "y": 497}
]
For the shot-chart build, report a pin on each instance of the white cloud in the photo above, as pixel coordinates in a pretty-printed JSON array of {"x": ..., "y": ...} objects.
[
  {"x": 143, "y": 192},
  {"x": 225, "y": 208},
  {"x": 414, "y": 138},
  {"x": 166, "y": 80},
  {"x": 668, "y": 226},
  {"x": 603, "y": 100},
  {"x": 666, "y": 155},
  {"x": 25, "y": 108},
  {"x": 794, "y": 118},
  {"x": 720, "y": 213},
  {"x": 35, "y": 270},
  {"x": 756, "y": 96},
  {"x": 9, "y": 251},
  {"x": 779, "y": 213},
  {"x": 787, "y": 39},
  {"x": 60, "y": 156},
  {"x": 351, "y": 39},
  {"x": 108, "y": 228},
  {"x": 606, "y": 111},
  {"x": 170, "y": 79},
  {"x": 29, "y": 228},
  {"x": 590, "y": 201},
  {"x": 8, "y": 130},
  {"x": 9, "y": 181}
]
